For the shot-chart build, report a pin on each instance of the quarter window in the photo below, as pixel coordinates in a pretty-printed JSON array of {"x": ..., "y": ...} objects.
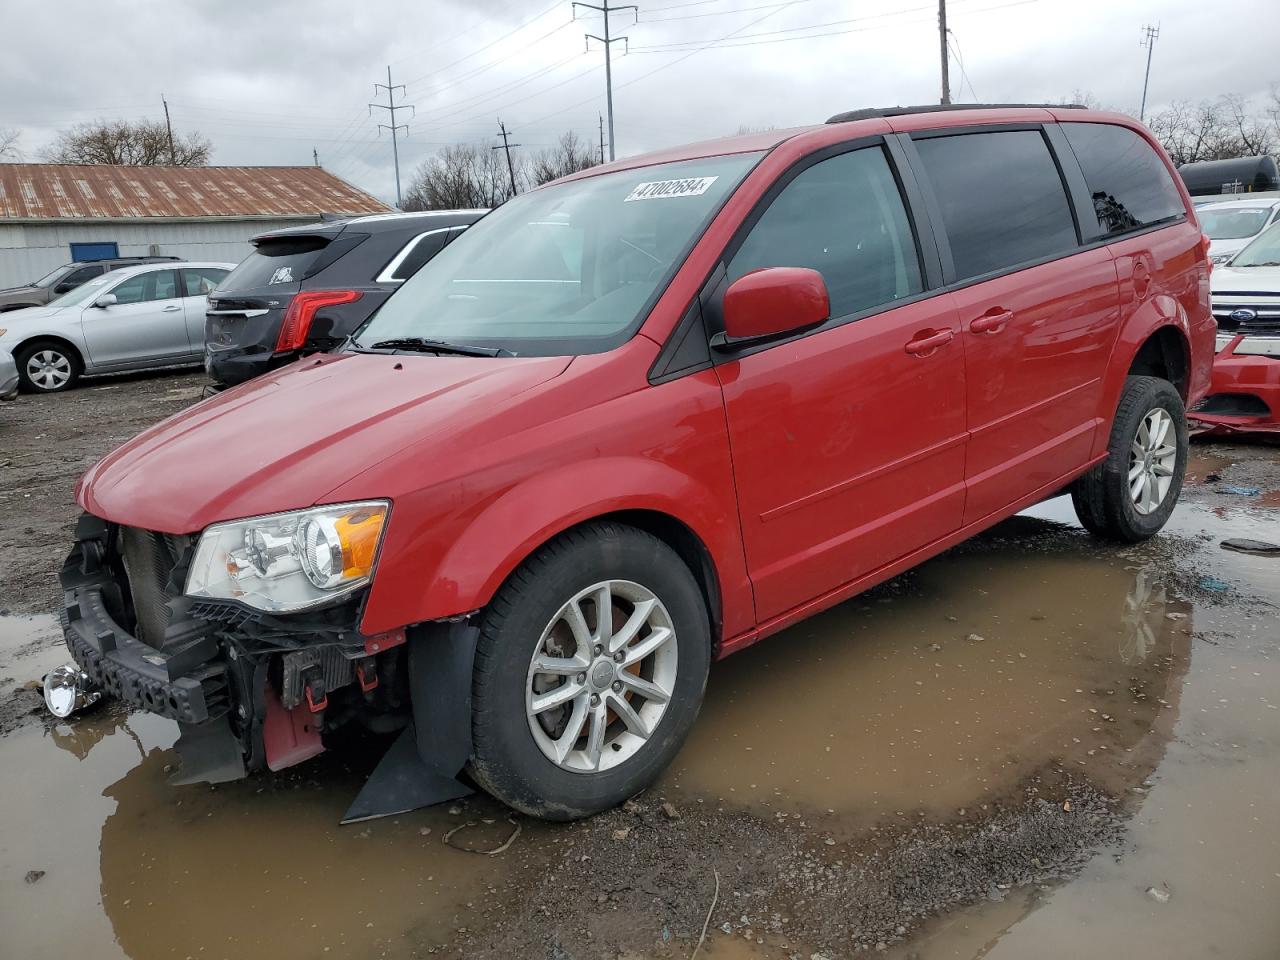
[
  {"x": 845, "y": 218},
  {"x": 1002, "y": 199},
  {"x": 156, "y": 285},
  {"x": 1130, "y": 185}
]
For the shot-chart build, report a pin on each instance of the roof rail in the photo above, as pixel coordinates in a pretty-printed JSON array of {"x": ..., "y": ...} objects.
[{"x": 872, "y": 112}]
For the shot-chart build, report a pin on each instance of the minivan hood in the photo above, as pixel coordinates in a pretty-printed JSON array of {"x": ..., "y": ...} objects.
[
  {"x": 1245, "y": 280},
  {"x": 283, "y": 441}
]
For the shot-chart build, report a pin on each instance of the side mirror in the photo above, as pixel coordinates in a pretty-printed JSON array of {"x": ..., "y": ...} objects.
[
  {"x": 106, "y": 300},
  {"x": 774, "y": 301}
]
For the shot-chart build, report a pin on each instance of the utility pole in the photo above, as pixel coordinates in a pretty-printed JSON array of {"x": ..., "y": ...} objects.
[
  {"x": 315, "y": 156},
  {"x": 942, "y": 40},
  {"x": 391, "y": 107},
  {"x": 608, "y": 40},
  {"x": 1149, "y": 35},
  {"x": 601, "y": 116},
  {"x": 504, "y": 133},
  {"x": 173, "y": 159}
]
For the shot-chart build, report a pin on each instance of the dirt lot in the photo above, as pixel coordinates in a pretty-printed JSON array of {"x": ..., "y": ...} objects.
[{"x": 1033, "y": 745}]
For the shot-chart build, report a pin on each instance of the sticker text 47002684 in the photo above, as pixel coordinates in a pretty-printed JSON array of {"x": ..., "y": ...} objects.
[{"x": 666, "y": 189}]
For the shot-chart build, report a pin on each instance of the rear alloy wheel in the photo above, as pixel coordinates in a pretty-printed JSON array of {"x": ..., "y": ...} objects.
[
  {"x": 47, "y": 367},
  {"x": 590, "y": 669},
  {"x": 1130, "y": 495}
]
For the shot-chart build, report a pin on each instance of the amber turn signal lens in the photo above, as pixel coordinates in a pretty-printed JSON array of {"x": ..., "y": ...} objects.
[{"x": 359, "y": 533}]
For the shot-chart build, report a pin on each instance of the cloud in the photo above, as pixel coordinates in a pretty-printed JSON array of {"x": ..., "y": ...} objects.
[{"x": 267, "y": 82}]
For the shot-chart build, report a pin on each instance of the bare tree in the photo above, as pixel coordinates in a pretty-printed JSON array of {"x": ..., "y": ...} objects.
[
  {"x": 1213, "y": 130},
  {"x": 144, "y": 143},
  {"x": 461, "y": 176},
  {"x": 9, "y": 149},
  {"x": 569, "y": 155}
]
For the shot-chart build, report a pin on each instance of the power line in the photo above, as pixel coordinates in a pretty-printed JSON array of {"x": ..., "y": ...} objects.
[
  {"x": 391, "y": 108},
  {"x": 608, "y": 42},
  {"x": 1149, "y": 36}
]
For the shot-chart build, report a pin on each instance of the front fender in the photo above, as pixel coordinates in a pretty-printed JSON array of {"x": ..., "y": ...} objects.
[{"x": 513, "y": 525}]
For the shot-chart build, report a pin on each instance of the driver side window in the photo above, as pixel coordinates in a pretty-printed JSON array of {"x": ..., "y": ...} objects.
[
  {"x": 845, "y": 218},
  {"x": 156, "y": 285}
]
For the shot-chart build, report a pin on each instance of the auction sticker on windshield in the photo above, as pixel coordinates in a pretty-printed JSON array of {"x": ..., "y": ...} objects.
[{"x": 665, "y": 189}]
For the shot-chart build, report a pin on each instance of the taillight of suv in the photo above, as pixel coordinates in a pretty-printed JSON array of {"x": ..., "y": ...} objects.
[{"x": 302, "y": 310}]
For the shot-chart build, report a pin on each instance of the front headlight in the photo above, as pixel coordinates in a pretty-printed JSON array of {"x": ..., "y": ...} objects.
[{"x": 289, "y": 561}]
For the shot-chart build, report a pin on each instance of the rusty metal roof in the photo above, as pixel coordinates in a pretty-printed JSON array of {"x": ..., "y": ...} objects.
[{"x": 57, "y": 191}]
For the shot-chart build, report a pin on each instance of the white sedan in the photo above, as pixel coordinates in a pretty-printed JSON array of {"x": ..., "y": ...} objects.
[{"x": 130, "y": 319}]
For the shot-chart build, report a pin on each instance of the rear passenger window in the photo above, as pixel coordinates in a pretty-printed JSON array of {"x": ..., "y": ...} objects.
[
  {"x": 843, "y": 217},
  {"x": 1002, "y": 199},
  {"x": 1129, "y": 183},
  {"x": 417, "y": 252}
]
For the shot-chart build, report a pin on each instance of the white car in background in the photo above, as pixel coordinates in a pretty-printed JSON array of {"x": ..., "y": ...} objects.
[
  {"x": 129, "y": 319},
  {"x": 1231, "y": 224}
]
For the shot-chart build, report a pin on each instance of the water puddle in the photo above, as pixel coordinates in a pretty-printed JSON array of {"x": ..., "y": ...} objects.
[{"x": 933, "y": 698}]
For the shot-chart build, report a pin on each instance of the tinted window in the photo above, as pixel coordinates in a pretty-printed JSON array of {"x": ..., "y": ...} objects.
[
  {"x": 79, "y": 276},
  {"x": 156, "y": 285},
  {"x": 843, "y": 217},
  {"x": 1131, "y": 186},
  {"x": 276, "y": 261},
  {"x": 421, "y": 249},
  {"x": 201, "y": 280},
  {"x": 1002, "y": 199}
]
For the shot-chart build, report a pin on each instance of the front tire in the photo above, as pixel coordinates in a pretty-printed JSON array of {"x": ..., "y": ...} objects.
[
  {"x": 47, "y": 366},
  {"x": 573, "y": 713},
  {"x": 1129, "y": 496}
]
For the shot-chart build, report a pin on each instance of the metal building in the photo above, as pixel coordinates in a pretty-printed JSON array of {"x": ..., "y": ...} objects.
[{"x": 52, "y": 213}]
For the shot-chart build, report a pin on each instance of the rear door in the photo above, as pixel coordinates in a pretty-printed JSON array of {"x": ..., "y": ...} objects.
[
  {"x": 145, "y": 325},
  {"x": 1039, "y": 314},
  {"x": 197, "y": 284},
  {"x": 848, "y": 442}
]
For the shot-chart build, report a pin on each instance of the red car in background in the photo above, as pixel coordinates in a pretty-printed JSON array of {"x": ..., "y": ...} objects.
[
  {"x": 1244, "y": 396},
  {"x": 636, "y": 420}
]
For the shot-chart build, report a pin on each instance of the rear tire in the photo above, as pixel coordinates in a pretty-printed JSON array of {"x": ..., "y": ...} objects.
[
  {"x": 47, "y": 366},
  {"x": 550, "y": 762},
  {"x": 1129, "y": 496}
]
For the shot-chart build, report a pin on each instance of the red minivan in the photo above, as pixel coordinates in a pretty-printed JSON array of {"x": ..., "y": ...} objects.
[{"x": 636, "y": 420}]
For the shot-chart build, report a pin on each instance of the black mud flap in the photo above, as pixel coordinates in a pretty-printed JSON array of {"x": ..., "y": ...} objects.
[
  {"x": 208, "y": 753},
  {"x": 422, "y": 766}
]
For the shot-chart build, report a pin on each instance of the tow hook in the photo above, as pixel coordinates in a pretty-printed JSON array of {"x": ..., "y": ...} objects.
[{"x": 67, "y": 689}]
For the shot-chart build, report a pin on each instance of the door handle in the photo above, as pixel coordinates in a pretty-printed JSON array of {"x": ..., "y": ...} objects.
[
  {"x": 171, "y": 309},
  {"x": 923, "y": 346},
  {"x": 991, "y": 322}
]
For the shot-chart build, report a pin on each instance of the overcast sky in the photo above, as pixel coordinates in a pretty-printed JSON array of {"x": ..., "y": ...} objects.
[{"x": 267, "y": 81}]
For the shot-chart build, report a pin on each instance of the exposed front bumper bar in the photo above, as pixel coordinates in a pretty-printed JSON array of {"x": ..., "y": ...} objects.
[{"x": 186, "y": 681}]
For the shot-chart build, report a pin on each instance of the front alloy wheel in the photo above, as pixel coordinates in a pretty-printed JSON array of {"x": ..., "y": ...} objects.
[
  {"x": 601, "y": 676},
  {"x": 589, "y": 671},
  {"x": 47, "y": 367}
]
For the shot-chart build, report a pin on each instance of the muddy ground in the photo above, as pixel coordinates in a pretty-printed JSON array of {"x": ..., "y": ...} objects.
[{"x": 1034, "y": 745}]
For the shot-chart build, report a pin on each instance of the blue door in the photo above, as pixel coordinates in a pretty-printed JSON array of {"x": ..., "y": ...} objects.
[{"x": 94, "y": 251}]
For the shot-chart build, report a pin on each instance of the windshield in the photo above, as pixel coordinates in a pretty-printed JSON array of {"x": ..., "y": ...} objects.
[
  {"x": 1233, "y": 224},
  {"x": 86, "y": 292},
  {"x": 1263, "y": 252},
  {"x": 49, "y": 279},
  {"x": 566, "y": 269}
]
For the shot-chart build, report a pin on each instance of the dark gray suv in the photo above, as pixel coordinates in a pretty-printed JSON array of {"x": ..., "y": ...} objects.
[
  {"x": 65, "y": 279},
  {"x": 304, "y": 289}
]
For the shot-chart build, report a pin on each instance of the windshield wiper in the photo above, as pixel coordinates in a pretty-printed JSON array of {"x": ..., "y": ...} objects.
[
  {"x": 423, "y": 345},
  {"x": 1269, "y": 263}
]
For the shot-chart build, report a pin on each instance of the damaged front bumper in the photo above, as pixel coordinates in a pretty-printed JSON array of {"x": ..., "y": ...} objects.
[
  {"x": 1244, "y": 395},
  {"x": 252, "y": 691}
]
